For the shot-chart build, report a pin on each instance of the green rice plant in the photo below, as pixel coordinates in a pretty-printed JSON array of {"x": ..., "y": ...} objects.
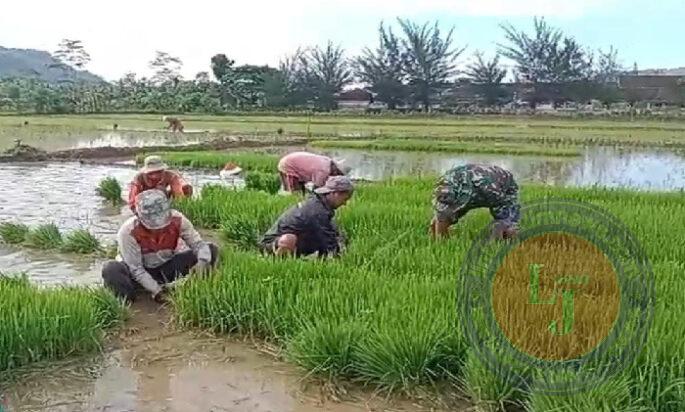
[
  {"x": 426, "y": 145},
  {"x": 81, "y": 241},
  {"x": 13, "y": 233},
  {"x": 248, "y": 161},
  {"x": 44, "y": 237},
  {"x": 268, "y": 182},
  {"x": 110, "y": 189},
  {"x": 385, "y": 313},
  {"x": 41, "y": 324}
]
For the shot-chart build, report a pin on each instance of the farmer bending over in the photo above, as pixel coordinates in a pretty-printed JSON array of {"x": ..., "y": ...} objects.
[
  {"x": 174, "y": 124},
  {"x": 473, "y": 186},
  {"x": 299, "y": 168},
  {"x": 154, "y": 175},
  {"x": 308, "y": 227},
  {"x": 148, "y": 255}
]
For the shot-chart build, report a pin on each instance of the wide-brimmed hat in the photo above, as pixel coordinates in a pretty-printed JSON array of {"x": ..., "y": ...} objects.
[
  {"x": 336, "y": 184},
  {"x": 342, "y": 165},
  {"x": 153, "y": 209},
  {"x": 231, "y": 169},
  {"x": 153, "y": 164}
]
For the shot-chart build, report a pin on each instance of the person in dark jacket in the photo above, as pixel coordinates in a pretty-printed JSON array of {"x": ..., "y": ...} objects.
[{"x": 308, "y": 227}]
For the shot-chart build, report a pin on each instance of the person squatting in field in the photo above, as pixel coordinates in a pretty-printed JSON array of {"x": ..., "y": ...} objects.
[
  {"x": 471, "y": 186},
  {"x": 148, "y": 253},
  {"x": 308, "y": 227},
  {"x": 299, "y": 168},
  {"x": 175, "y": 125},
  {"x": 155, "y": 175}
]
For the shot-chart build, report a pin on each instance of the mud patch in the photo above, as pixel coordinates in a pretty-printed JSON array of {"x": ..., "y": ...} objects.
[{"x": 150, "y": 366}]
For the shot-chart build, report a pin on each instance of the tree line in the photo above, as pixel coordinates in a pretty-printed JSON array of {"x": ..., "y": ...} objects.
[{"x": 413, "y": 66}]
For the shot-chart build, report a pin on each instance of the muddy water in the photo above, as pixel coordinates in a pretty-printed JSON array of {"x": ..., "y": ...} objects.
[
  {"x": 64, "y": 193},
  {"x": 602, "y": 166},
  {"x": 152, "y": 367}
]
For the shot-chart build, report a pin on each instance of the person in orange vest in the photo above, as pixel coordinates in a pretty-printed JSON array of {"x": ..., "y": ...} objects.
[
  {"x": 148, "y": 254},
  {"x": 154, "y": 175}
]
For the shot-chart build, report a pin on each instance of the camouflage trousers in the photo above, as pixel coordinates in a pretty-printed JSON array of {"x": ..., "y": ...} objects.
[{"x": 452, "y": 202}]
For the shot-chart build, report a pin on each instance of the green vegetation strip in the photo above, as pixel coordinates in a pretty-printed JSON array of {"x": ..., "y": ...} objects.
[
  {"x": 49, "y": 324},
  {"x": 49, "y": 237},
  {"x": 217, "y": 160},
  {"x": 447, "y": 146},
  {"x": 385, "y": 314}
]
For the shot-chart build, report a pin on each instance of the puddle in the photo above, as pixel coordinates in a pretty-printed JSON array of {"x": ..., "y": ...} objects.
[
  {"x": 152, "y": 367},
  {"x": 602, "y": 166}
]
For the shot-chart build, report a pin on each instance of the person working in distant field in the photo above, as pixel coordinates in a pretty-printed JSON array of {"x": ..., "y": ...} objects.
[
  {"x": 473, "y": 186},
  {"x": 308, "y": 227},
  {"x": 148, "y": 254},
  {"x": 154, "y": 175},
  {"x": 174, "y": 123},
  {"x": 299, "y": 168}
]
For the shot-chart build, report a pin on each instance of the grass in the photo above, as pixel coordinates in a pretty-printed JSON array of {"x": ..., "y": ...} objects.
[
  {"x": 385, "y": 313},
  {"x": 448, "y": 146},
  {"x": 110, "y": 189},
  {"x": 13, "y": 233},
  {"x": 217, "y": 160},
  {"x": 49, "y": 324}
]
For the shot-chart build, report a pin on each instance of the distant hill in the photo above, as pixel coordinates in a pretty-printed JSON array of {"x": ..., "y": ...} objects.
[{"x": 29, "y": 63}]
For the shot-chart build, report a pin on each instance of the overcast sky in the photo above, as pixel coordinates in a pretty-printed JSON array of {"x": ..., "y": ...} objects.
[{"x": 123, "y": 35}]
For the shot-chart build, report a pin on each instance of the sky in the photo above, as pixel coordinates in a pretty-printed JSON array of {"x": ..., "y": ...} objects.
[{"x": 123, "y": 35}]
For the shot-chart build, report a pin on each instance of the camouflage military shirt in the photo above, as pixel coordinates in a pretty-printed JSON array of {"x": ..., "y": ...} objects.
[{"x": 472, "y": 186}]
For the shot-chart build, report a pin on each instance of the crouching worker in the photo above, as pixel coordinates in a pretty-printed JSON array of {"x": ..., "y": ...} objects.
[
  {"x": 155, "y": 175},
  {"x": 148, "y": 256},
  {"x": 308, "y": 228},
  {"x": 473, "y": 186}
]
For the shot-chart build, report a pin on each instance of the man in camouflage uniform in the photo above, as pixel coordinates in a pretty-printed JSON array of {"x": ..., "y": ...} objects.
[{"x": 473, "y": 186}]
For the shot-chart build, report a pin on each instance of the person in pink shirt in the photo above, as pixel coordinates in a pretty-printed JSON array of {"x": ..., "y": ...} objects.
[{"x": 299, "y": 168}]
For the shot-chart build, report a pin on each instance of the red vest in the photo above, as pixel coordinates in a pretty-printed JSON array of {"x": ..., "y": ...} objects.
[
  {"x": 155, "y": 241},
  {"x": 163, "y": 185}
]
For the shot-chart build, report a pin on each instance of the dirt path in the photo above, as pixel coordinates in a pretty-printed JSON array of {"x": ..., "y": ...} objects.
[{"x": 151, "y": 366}]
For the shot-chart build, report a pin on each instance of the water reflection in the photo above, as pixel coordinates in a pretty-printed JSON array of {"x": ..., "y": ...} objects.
[{"x": 598, "y": 166}]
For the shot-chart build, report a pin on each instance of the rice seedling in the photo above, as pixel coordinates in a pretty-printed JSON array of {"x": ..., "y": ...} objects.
[
  {"x": 110, "y": 189},
  {"x": 426, "y": 145},
  {"x": 38, "y": 324},
  {"x": 217, "y": 160},
  {"x": 44, "y": 237},
  {"x": 81, "y": 241},
  {"x": 384, "y": 313},
  {"x": 268, "y": 182},
  {"x": 13, "y": 233}
]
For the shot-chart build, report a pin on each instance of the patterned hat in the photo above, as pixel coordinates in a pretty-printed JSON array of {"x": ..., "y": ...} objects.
[
  {"x": 153, "y": 209},
  {"x": 336, "y": 184}
]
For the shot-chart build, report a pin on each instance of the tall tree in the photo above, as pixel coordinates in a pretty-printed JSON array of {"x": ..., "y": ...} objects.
[
  {"x": 323, "y": 73},
  {"x": 72, "y": 53},
  {"x": 428, "y": 60},
  {"x": 167, "y": 68},
  {"x": 382, "y": 69},
  {"x": 547, "y": 56},
  {"x": 607, "y": 66},
  {"x": 488, "y": 74}
]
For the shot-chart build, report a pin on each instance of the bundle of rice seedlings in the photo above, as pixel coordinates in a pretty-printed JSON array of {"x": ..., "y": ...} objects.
[
  {"x": 44, "y": 237},
  {"x": 13, "y": 233},
  {"x": 81, "y": 241},
  {"x": 110, "y": 190},
  {"x": 268, "y": 182}
]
